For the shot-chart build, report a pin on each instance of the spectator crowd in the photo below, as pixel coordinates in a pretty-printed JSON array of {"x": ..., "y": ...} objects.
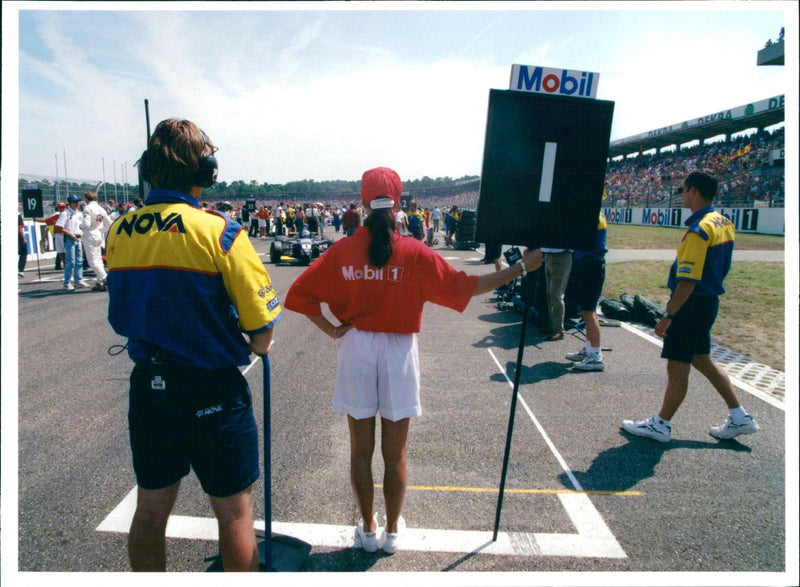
[{"x": 740, "y": 163}]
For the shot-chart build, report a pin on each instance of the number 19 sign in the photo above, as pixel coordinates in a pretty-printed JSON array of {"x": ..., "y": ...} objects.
[{"x": 32, "y": 203}]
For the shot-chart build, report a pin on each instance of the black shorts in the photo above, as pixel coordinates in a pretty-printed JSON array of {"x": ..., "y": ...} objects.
[
  {"x": 689, "y": 333},
  {"x": 588, "y": 278},
  {"x": 181, "y": 417}
]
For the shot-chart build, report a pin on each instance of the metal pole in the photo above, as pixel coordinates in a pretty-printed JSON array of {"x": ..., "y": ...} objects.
[
  {"x": 267, "y": 467},
  {"x": 114, "y": 163},
  {"x": 56, "y": 156},
  {"x": 147, "y": 118},
  {"x": 105, "y": 197},
  {"x": 66, "y": 177},
  {"x": 511, "y": 421}
]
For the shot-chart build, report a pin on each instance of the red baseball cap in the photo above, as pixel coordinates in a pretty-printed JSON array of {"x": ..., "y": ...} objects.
[{"x": 381, "y": 188}]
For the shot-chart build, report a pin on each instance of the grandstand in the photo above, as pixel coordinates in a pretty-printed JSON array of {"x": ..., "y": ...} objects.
[{"x": 750, "y": 169}]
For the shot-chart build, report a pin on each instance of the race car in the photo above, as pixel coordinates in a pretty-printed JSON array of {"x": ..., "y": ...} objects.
[{"x": 302, "y": 249}]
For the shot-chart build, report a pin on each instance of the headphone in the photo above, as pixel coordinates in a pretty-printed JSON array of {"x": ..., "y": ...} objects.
[{"x": 205, "y": 176}]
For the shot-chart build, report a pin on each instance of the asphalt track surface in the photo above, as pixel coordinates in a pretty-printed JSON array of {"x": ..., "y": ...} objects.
[{"x": 582, "y": 499}]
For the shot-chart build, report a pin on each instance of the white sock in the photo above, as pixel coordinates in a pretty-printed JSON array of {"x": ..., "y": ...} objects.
[
  {"x": 738, "y": 414},
  {"x": 661, "y": 422},
  {"x": 596, "y": 351}
]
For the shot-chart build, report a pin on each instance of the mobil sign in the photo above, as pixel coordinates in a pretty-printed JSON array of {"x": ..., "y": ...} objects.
[{"x": 554, "y": 81}]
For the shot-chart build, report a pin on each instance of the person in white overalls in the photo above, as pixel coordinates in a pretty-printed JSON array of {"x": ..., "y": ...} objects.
[{"x": 95, "y": 225}]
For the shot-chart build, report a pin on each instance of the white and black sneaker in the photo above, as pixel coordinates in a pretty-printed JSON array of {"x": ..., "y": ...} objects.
[
  {"x": 648, "y": 428},
  {"x": 577, "y": 357},
  {"x": 731, "y": 429},
  {"x": 590, "y": 363}
]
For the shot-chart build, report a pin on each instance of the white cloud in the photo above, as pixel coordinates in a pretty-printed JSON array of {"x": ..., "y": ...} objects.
[{"x": 308, "y": 94}]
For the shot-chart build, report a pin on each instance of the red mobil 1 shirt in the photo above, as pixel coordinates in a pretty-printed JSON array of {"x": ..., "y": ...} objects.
[{"x": 389, "y": 299}]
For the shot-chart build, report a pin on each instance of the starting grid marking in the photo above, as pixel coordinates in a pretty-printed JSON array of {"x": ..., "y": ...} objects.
[{"x": 592, "y": 539}]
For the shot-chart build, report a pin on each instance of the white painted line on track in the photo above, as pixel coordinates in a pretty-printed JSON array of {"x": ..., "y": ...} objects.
[
  {"x": 743, "y": 385},
  {"x": 539, "y": 427},
  {"x": 593, "y": 539},
  {"x": 581, "y": 511},
  {"x": 250, "y": 366}
]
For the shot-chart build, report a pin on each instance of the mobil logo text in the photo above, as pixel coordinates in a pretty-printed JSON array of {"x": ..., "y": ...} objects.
[
  {"x": 619, "y": 215},
  {"x": 662, "y": 216},
  {"x": 742, "y": 218},
  {"x": 370, "y": 273},
  {"x": 553, "y": 81}
]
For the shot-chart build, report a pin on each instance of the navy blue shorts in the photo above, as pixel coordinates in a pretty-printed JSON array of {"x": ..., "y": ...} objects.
[
  {"x": 588, "y": 279},
  {"x": 182, "y": 417},
  {"x": 689, "y": 333}
]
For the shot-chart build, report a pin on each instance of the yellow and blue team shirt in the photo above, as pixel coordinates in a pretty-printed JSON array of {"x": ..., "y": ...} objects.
[
  {"x": 705, "y": 253},
  {"x": 599, "y": 250},
  {"x": 184, "y": 284}
]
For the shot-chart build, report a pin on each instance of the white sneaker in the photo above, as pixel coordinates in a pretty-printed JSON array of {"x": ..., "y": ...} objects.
[
  {"x": 366, "y": 540},
  {"x": 579, "y": 356},
  {"x": 590, "y": 363},
  {"x": 648, "y": 429},
  {"x": 69, "y": 286},
  {"x": 82, "y": 283},
  {"x": 731, "y": 429},
  {"x": 389, "y": 540}
]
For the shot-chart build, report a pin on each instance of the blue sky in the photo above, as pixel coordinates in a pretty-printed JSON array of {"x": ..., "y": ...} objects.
[{"x": 324, "y": 91}]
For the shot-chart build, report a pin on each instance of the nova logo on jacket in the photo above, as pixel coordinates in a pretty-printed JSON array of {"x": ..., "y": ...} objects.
[{"x": 143, "y": 223}]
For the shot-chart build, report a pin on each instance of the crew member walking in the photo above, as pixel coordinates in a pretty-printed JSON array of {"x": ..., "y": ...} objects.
[
  {"x": 695, "y": 279},
  {"x": 95, "y": 225}
]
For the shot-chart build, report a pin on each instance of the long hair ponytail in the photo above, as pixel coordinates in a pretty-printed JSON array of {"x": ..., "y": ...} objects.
[{"x": 381, "y": 224}]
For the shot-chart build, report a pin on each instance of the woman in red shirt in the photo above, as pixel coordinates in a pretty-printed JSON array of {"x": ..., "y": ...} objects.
[{"x": 375, "y": 284}]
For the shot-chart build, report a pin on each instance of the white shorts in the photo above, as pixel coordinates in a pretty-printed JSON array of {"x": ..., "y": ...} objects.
[{"x": 378, "y": 372}]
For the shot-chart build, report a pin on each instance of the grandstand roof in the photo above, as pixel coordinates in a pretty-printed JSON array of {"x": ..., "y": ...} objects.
[{"x": 754, "y": 115}]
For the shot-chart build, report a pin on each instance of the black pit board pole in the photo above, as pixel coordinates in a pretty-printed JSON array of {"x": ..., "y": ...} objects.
[
  {"x": 267, "y": 468},
  {"x": 511, "y": 421}
]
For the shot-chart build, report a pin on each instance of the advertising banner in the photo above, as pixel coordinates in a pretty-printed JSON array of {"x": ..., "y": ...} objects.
[{"x": 756, "y": 219}]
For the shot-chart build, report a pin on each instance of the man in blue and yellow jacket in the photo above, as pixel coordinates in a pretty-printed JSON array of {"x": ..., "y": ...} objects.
[
  {"x": 185, "y": 287},
  {"x": 696, "y": 281}
]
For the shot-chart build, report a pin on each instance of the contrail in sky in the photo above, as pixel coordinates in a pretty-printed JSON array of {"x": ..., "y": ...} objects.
[{"x": 479, "y": 35}]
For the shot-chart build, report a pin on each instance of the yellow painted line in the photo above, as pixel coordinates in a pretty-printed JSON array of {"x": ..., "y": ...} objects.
[{"x": 520, "y": 491}]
